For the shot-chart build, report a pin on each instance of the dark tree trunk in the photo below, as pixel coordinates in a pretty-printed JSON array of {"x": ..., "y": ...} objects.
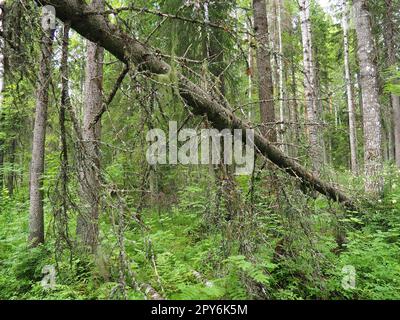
[
  {"x": 87, "y": 225},
  {"x": 36, "y": 215},
  {"x": 390, "y": 32},
  {"x": 265, "y": 84}
]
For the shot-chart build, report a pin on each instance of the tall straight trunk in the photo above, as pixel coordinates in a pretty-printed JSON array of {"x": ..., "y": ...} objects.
[
  {"x": 265, "y": 84},
  {"x": 350, "y": 104},
  {"x": 2, "y": 48},
  {"x": 250, "y": 71},
  {"x": 36, "y": 215},
  {"x": 87, "y": 225},
  {"x": 316, "y": 152},
  {"x": 294, "y": 113},
  {"x": 61, "y": 215},
  {"x": 371, "y": 108},
  {"x": 280, "y": 68},
  {"x": 390, "y": 31}
]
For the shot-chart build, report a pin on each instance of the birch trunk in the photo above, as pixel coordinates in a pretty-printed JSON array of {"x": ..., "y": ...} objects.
[
  {"x": 280, "y": 68},
  {"x": 316, "y": 152},
  {"x": 350, "y": 104},
  {"x": 371, "y": 108}
]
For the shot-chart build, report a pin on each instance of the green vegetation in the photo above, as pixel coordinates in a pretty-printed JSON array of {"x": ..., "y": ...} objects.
[{"x": 195, "y": 231}]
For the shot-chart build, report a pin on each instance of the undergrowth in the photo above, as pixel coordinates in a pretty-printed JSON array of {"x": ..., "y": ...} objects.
[{"x": 300, "y": 252}]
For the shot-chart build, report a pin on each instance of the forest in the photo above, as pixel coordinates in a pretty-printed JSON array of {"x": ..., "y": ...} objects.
[{"x": 199, "y": 150}]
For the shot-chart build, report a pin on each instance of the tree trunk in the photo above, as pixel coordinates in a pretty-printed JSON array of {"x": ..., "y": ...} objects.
[
  {"x": 250, "y": 70},
  {"x": 294, "y": 111},
  {"x": 2, "y": 47},
  {"x": 316, "y": 151},
  {"x": 350, "y": 104},
  {"x": 390, "y": 32},
  {"x": 36, "y": 215},
  {"x": 11, "y": 179},
  {"x": 87, "y": 225},
  {"x": 61, "y": 213},
  {"x": 371, "y": 108},
  {"x": 265, "y": 85},
  {"x": 280, "y": 68},
  {"x": 127, "y": 48}
]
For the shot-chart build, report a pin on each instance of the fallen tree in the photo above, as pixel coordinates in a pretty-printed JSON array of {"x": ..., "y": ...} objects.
[{"x": 126, "y": 48}]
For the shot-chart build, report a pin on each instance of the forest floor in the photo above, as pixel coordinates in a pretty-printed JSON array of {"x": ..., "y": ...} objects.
[{"x": 184, "y": 255}]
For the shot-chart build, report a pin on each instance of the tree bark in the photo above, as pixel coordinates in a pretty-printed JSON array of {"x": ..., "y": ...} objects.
[
  {"x": 350, "y": 104},
  {"x": 390, "y": 32},
  {"x": 265, "y": 84},
  {"x": 281, "y": 80},
  {"x": 371, "y": 108},
  {"x": 87, "y": 224},
  {"x": 36, "y": 214},
  {"x": 127, "y": 48},
  {"x": 61, "y": 213},
  {"x": 2, "y": 49},
  {"x": 316, "y": 151}
]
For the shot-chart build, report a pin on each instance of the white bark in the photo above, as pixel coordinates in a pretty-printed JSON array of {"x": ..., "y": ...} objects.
[
  {"x": 280, "y": 68},
  {"x": 350, "y": 104},
  {"x": 371, "y": 107},
  {"x": 316, "y": 152}
]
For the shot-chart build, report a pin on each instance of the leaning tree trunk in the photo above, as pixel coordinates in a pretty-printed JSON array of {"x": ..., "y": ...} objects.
[
  {"x": 36, "y": 215},
  {"x": 316, "y": 152},
  {"x": 350, "y": 103},
  {"x": 390, "y": 33},
  {"x": 371, "y": 108},
  {"x": 128, "y": 49},
  {"x": 87, "y": 224},
  {"x": 265, "y": 85}
]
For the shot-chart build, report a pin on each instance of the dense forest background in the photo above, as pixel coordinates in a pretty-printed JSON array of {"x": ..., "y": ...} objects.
[{"x": 83, "y": 215}]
